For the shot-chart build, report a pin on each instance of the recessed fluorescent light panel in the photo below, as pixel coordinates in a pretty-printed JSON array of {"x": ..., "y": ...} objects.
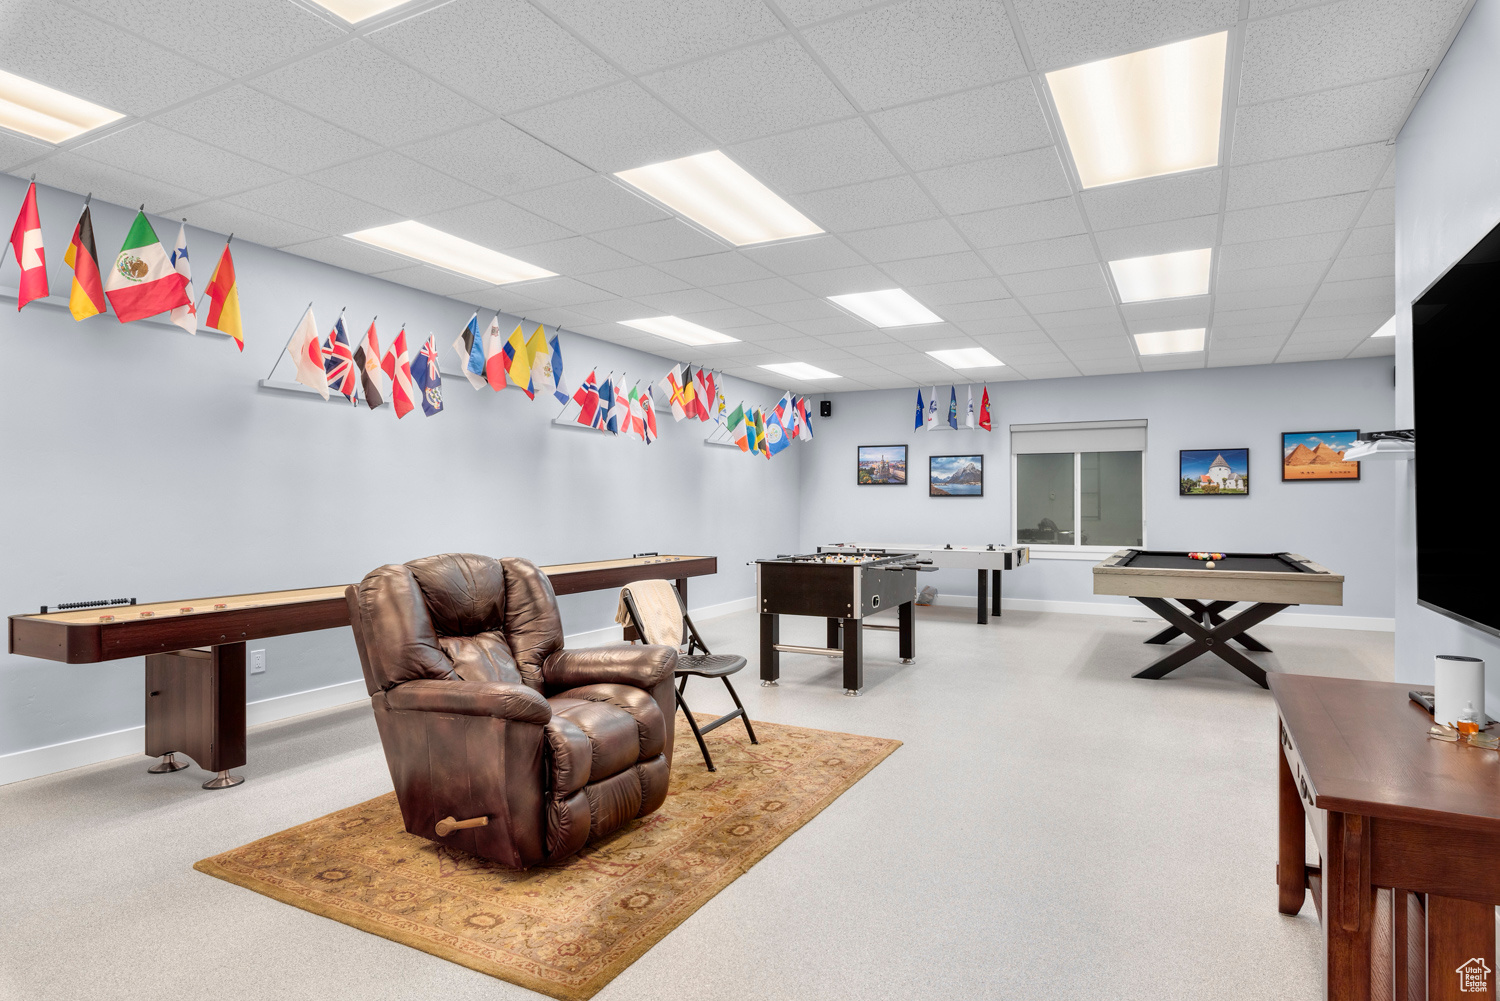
[
  {"x": 1145, "y": 113},
  {"x": 967, "y": 358},
  {"x": 1163, "y": 276},
  {"x": 444, "y": 250},
  {"x": 892, "y": 307},
  {"x": 801, "y": 370},
  {"x": 1387, "y": 329},
  {"x": 355, "y": 11},
  {"x": 674, "y": 328},
  {"x": 50, "y": 115},
  {"x": 721, "y": 196},
  {"x": 1170, "y": 342}
]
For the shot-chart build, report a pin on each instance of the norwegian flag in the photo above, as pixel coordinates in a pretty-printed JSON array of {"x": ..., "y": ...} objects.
[{"x": 338, "y": 361}]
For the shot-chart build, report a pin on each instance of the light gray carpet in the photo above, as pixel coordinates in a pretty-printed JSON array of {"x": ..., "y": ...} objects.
[{"x": 1051, "y": 829}]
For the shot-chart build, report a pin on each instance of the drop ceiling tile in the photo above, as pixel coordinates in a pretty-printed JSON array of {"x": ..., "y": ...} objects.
[
  {"x": 1157, "y": 199},
  {"x": 300, "y": 201},
  {"x": 1261, "y": 315},
  {"x": 1371, "y": 240},
  {"x": 1291, "y": 295},
  {"x": 252, "y": 227},
  {"x": 590, "y": 205},
  {"x": 690, "y": 300},
  {"x": 505, "y": 300},
  {"x": 1374, "y": 347},
  {"x": 872, "y": 203},
  {"x": 907, "y": 240},
  {"x": 987, "y": 311},
  {"x": 618, "y": 310},
  {"x": 1054, "y": 302},
  {"x": 1342, "y": 43},
  {"x": 766, "y": 333},
  {"x": 1098, "y": 348},
  {"x": 938, "y": 268},
  {"x": 348, "y": 254},
  {"x": 1382, "y": 208},
  {"x": 842, "y": 281},
  {"x": 1381, "y": 287},
  {"x": 1018, "y": 326},
  {"x": 101, "y": 63},
  {"x": 1167, "y": 314},
  {"x": 819, "y": 253},
  {"x": 1173, "y": 362},
  {"x": 1276, "y": 276},
  {"x": 576, "y": 255},
  {"x": 997, "y": 183},
  {"x": 823, "y": 156},
  {"x": 497, "y": 157},
  {"x": 634, "y": 281},
  {"x": 402, "y": 185},
  {"x": 16, "y": 150},
  {"x": 1245, "y": 338},
  {"x": 1315, "y": 175},
  {"x": 829, "y": 326},
  {"x": 757, "y": 293},
  {"x": 665, "y": 240},
  {"x": 1289, "y": 250},
  {"x": 71, "y": 172},
  {"x": 971, "y": 125},
  {"x": 1067, "y": 32},
  {"x": 1312, "y": 354},
  {"x": 1158, "y": 238},
  {"x": 1228, "y": 358},
  {"x": 262, "y": 128},
  {"x": 1022, "y": 223},
  {"x": 799, "y": 309},
  {"x": 716, "y": 269},
  {"x": 147, "y": 148},
  {"x": 1367, "y": 266},
  {"x": 643, "y": 35},
  {"x": 337, "y": 84},
  {"x": 1062, "y": 252},
  {"x": 1388, "y": 179},
  {"x": 263, "y": 32},
  {"x": 860, "y": 342},
  {"x": 1327, "y": 120},
  {"x": 1317, "y": 215},
  {"x": 431, "y": 280},
  {"x": 1059, "y": 370},
  {"x": 564, "y": 291},
  {"x": 918, "y": 48},
  {"x": 754, "y": 91},
  {"x": 729, "y": 319},
  {"x": 947, "y": 293},
  {"x": 558, "y": 316},
  {"x": 614, "y": 128},
  {"x": 496, "y": 224},
  {"x": 1380, "y": 306},
  {"x": 1075, "y": 323},
  {"x": 504, "y": 54},
  {"x": 1081, "y": 276}
]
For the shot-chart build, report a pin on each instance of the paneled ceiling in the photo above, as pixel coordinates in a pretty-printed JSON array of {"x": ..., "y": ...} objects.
[{"x": 919, "y": 133}]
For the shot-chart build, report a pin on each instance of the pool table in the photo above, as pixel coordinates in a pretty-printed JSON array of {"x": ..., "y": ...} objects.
[{"x": 1192, "y": 597}]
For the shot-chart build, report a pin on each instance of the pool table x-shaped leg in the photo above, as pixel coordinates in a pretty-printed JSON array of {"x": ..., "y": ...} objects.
[
  {"x": 1211, "y": 610},
  {"x": 1210, "y": 636}
]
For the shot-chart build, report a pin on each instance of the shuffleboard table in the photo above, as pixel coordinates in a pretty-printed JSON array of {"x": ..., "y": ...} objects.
[
  {"x": 1192, "y": 595},
  {"x": 195, "y": 649},
  {"x": 987, "y": 560}
]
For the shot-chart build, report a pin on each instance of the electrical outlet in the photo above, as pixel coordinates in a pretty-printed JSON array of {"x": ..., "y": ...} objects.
[{"x": 257, "y": 662}]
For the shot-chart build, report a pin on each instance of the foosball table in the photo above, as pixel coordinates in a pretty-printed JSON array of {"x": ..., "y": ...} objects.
[{"x": 844, "y": 588}]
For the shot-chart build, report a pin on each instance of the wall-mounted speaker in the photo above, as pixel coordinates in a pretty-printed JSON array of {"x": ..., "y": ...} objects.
[{"x": 825, "y": 408}]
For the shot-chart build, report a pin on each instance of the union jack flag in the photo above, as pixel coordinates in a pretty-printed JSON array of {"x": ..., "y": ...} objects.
[
  {"x": 338, "y": 362},
  {"x": 425, "y": 374}
]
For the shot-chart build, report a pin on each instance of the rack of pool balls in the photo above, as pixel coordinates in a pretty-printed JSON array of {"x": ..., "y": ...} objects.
[{"x": 1209, "y": 558}]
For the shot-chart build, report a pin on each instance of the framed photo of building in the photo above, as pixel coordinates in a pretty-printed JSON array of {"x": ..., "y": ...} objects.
[
  {"x": 1317, "y": 455},
  {"x": 882, "y": 465},
  {"x": 955, "y": 476},
  {"x": 1213, "y": 472}
]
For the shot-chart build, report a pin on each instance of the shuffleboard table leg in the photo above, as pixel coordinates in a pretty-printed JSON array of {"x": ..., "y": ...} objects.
[
  {"x": 854, "y": 658},
  {"x": 995, "y": 593},
  {"x": 770, "y": 657},
  {"x": 195, "y": 705},
  {"x": 906, "y": 626},
  {"x": 984, "y": 597}
]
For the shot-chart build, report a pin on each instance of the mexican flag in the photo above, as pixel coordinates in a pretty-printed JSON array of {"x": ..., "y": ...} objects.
[{"x": 143, "y": 281}]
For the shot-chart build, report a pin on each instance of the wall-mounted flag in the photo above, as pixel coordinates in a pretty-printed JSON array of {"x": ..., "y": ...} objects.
[
  {"x": 953, "y": 407},
  {"x": 367, "y": 360},
  {"x": 86, "y": 297},
  {"x": 338, "y": 361},
  {"x": 304, "y": 347},
  {"x": 31, "y": 256},
  {"x": 469, "y": 346},
  {"x": 804, "y": 418},
  {"x": 143, "y": 282},
  {"x": 969, "y": 414},
  {"x": 186, "y": 316},
  {"x": 648, "y": 411},
  {"x": 223, "y": 293},
  {"x": 932, "y": 405},
  {"x": 424, "y": 373},
  {"x": 397, "y": 367},
  {"x": 494, "y": 355},
  {"x": 558, "y": 391},
  {"x": 984, "y": 409}
]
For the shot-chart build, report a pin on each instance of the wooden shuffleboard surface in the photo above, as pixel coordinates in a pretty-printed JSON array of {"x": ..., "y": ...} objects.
[{"x": 87, "y": 636}]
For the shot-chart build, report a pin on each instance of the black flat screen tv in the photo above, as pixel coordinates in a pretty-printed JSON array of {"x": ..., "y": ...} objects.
[{"x": 1456, "y": 397}]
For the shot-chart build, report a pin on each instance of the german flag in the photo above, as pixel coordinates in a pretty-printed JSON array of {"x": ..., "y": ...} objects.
[
  {"x": 87, "y": 296},
  {"x": 224, "y": 299}
]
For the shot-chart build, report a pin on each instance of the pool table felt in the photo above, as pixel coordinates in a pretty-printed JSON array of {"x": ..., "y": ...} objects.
[{"x": 1242, "y": 562}]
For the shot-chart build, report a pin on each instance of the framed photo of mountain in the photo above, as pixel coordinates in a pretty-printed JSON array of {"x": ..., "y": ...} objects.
[
  {"x": 955, "y": 476},
  {"x": 882, "y": 465},
  {"x": 1317, "y": 455},
  {"x": 1213, "y": 472}
]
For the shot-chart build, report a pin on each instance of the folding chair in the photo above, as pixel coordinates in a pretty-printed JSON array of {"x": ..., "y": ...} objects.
[{"x": 649, "y": 606}]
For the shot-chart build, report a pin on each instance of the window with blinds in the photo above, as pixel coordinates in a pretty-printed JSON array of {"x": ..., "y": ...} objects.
[{"x": 1078, "y": 485}]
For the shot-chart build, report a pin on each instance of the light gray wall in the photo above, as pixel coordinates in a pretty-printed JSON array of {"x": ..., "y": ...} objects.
[
  {"x": 1343, "y": 525},
  {"x": 1447, "y": 199},
  {"x": 143, "y": 462}
]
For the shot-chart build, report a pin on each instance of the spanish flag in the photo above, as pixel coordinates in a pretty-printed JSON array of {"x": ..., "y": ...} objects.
[
  {"x": 87, "y": 296},
  {"x": 224, "y": 300}
]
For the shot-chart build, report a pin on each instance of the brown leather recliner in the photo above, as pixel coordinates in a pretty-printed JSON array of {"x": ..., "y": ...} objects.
[{"x": 483, "y": 714}]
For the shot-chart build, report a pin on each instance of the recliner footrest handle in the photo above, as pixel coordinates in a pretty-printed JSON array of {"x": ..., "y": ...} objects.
[{"x": 448, "y": 825}]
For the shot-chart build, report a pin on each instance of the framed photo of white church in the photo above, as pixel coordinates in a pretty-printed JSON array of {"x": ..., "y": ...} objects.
[{"x": 1214, "y": 472}]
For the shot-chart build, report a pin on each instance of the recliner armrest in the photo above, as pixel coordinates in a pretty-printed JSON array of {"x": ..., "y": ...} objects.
[
  {"x": 499, "y": 699},
  {"x": 637, "y": 666}
]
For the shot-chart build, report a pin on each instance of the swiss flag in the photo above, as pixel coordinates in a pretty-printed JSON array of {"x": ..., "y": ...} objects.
[{"x": 26, "y": 244}]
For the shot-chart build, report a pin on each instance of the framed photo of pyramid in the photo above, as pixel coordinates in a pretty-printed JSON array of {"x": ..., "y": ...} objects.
[{"x": 1317, "y": 455}]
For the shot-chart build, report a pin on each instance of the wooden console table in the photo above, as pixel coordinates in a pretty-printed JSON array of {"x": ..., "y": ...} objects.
[{"x": 1408, "y": 835}]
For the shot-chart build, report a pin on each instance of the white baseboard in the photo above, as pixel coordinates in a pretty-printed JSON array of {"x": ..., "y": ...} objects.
[
  {"x": 36, "y": 761},
  {"x": 1363, "y": 623}
]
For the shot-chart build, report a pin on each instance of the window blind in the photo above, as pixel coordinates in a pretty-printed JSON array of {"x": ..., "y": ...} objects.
[{"x": 1078, "y": 436}]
